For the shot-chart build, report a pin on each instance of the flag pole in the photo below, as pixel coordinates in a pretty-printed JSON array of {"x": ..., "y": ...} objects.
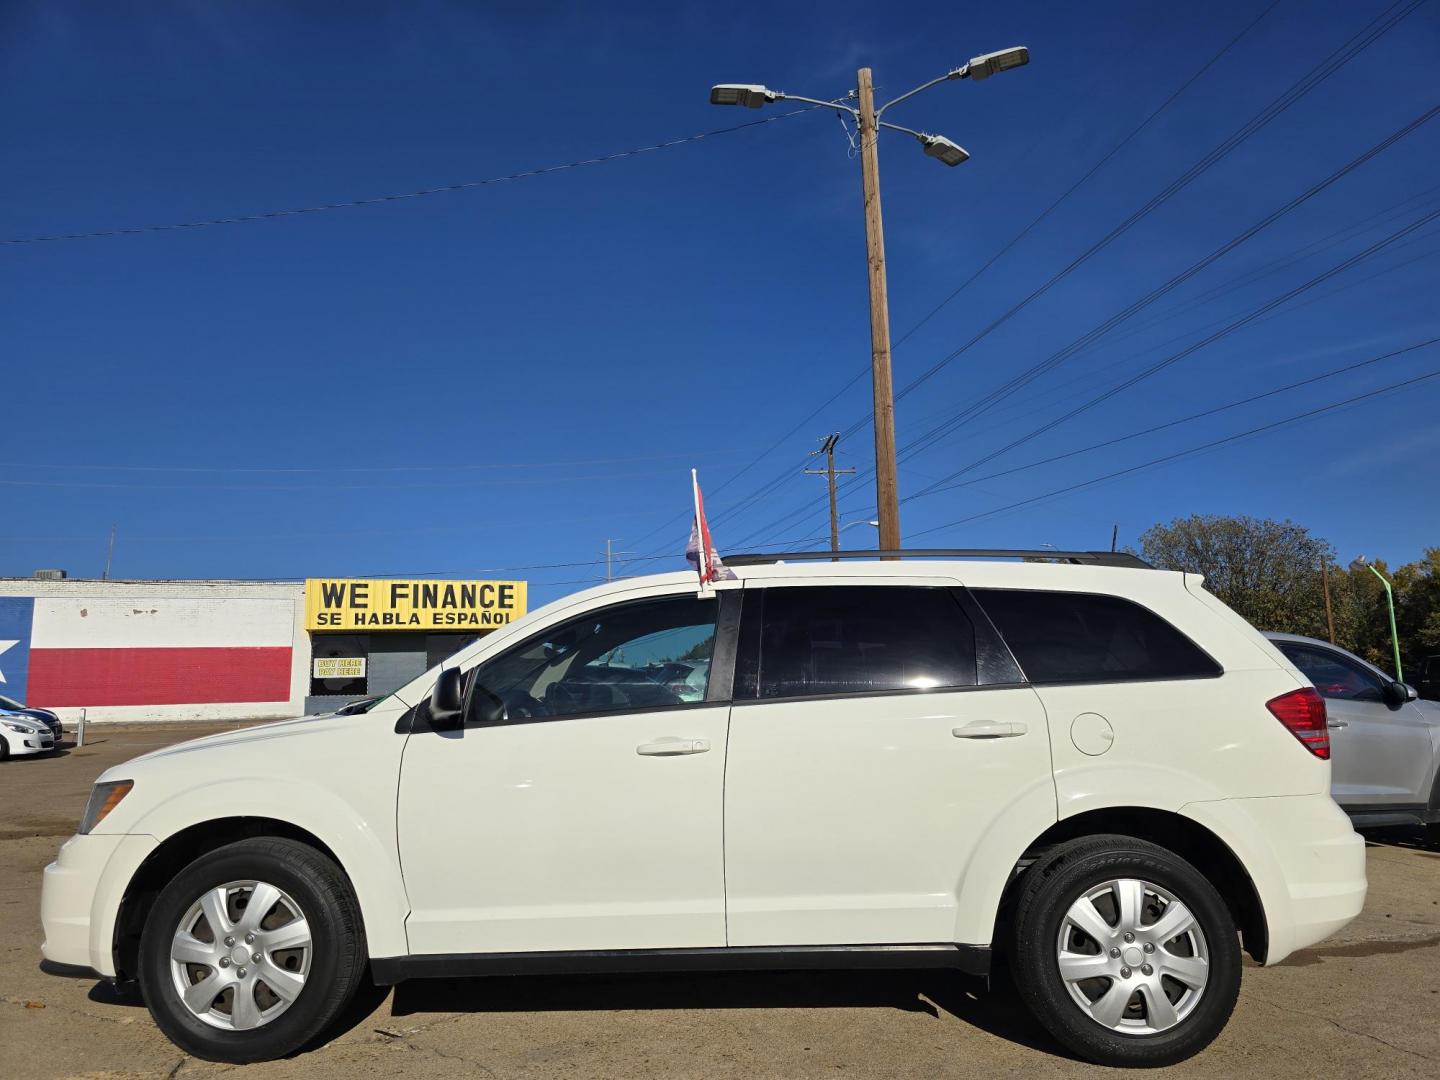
[{"x": 701, "y": 558}]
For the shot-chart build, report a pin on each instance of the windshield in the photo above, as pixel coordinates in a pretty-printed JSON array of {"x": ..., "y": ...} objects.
[{"x": 9, "y": 703}]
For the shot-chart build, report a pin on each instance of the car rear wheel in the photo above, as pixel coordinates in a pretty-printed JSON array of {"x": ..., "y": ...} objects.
[
  {"x": 252, "y": 951},
  {"x": 1125, "y": 952}
]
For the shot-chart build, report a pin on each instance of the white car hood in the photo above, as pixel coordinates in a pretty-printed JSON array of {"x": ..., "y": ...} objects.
[{"x": 280, "y": 729}]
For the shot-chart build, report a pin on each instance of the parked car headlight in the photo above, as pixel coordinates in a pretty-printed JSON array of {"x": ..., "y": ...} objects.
[
  {"x": 23, "y": 729},
  {"x": 103, "y": 799}
]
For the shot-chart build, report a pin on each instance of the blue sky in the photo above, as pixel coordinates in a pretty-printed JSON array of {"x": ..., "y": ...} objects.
[{"x": 506, "y": 376}]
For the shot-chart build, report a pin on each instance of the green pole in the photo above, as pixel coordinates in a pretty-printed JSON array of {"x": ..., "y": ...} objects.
[{"x": 1394, "y": 635}]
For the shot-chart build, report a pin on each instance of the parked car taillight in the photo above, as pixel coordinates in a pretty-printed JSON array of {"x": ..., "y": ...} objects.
[{"x": 1303, "y": 714}]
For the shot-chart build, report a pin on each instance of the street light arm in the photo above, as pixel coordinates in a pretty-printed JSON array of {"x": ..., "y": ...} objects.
[
  {"x": 922, "y": 136},
  {"x": 836, "y": 104},
  {"x": 911, "y": 93}
]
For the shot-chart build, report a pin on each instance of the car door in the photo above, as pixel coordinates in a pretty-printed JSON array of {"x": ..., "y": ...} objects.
[
  {"x": 579, "y": 806},
  {"x": 870, "y": 754},
  {"x": 1381, "y": 754}
]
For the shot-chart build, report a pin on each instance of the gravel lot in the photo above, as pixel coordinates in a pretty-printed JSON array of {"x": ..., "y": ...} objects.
[{"x": 1365, "y": 1003}]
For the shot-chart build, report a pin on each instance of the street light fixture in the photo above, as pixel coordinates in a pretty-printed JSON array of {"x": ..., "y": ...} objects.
[
  {"x": 948, "y": 152},
  {"x": 942, "y": 149},
  {"x": 982, "y": 67},
  {"x": 747, "y": 94}
]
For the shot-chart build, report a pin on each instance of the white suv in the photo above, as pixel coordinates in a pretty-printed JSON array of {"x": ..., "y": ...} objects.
[{"x": 1090, "y": 767}]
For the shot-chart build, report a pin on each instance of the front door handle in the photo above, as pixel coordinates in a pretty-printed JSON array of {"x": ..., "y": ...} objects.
[
  {"x": 672, "y": 747},
  {"x": 990, "y": 729}
]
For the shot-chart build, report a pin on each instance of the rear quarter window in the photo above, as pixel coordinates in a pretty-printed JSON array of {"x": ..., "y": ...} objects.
[{"x": 1067, "y": 637}]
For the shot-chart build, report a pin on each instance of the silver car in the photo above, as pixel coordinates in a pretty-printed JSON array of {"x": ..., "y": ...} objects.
[{"x": 1384, "y": 742}]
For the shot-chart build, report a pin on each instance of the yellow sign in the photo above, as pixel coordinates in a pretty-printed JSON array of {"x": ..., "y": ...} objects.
[
  {"x": 339, "y": 667},
  {"x": 366, "y": 604}
]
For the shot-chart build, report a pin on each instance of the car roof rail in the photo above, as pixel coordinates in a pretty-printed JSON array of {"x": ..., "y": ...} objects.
[{"x": 1085, "y": 558}]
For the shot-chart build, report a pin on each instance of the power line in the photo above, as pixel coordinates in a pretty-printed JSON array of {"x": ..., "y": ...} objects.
[
  {"x": 862, "y": 372},
  {"x": 1342, "y": 55},
  {"x": 305, "y": 488},
  {"x": 1176, "y": 357},
  {"x": 1355, "y": 45},
  {"x": 939, "y": 431},
  {"x": 1165, "y": 459},
  {"x": 1318, "y": 298},
  {"x": 1092, "y": 170},
  {"x": 374, "y": 200},
  {"x": 286, "y": 469},
  {"x": 1095, "y": 333},
  {"x": 1334, "y": 373}
]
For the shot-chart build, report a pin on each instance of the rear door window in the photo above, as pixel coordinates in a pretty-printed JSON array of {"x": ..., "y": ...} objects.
[
  {"x": 1070, "y": 637},
  {"x": 818, "y": 641}
]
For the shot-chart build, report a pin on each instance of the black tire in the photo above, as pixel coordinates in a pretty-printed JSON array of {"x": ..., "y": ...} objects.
[
  {"x": 337, "y": 963},
  {"x": 4, "y": 748},
  {"x": 1048, "y": 890}
]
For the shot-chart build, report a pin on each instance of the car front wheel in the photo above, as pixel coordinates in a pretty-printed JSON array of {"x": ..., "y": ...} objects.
[
  {"x": 252, "y": 951},
  {"x": 1125, "y": 952}
]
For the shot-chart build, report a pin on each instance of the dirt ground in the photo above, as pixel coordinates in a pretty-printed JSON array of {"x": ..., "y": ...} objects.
[{"x": 1364, "y": 1004}]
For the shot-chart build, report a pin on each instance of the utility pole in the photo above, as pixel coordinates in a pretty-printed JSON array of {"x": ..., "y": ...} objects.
[
  {"x": 1114, "y": 536},
  {"x": 887, "y": 500},
  {"x": 830, "y": 472},
  {"x": 610, "y": 554},
  {"x": 109, "y": 555},
  {"x": 1329, "y": 614},
  {"x": 869, "y": 120}
]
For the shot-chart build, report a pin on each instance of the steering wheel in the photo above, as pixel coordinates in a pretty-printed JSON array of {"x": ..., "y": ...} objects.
[{"x": 522, "y": 706}]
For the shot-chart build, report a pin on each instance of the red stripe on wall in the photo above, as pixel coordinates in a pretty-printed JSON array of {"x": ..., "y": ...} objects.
[{"x": 88, "y": 677}]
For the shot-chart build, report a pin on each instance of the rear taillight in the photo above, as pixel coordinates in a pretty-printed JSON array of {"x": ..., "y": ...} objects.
[{"x": 1303, "y": 714}]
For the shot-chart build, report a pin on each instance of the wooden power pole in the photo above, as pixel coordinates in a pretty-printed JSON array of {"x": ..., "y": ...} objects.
[
  {"x": 610, "y": 555},
  {"x": 1329, "y": 614},
  {"x": 887, "y": 500},
  {"x": 830, "y": 472}
]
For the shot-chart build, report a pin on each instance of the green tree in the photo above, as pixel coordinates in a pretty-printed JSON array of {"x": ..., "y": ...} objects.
[{"x": 1268, "y": 571}]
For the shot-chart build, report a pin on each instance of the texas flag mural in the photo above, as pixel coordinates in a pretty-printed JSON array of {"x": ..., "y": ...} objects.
[
  {"x": 15, "y": 618},
  {"x": 90, "y": 651}
]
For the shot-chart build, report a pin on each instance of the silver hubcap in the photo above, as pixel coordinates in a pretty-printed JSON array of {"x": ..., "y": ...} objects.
[
  {"x": 1133, "y": 957},
  {"x": 240, "y": 955}
]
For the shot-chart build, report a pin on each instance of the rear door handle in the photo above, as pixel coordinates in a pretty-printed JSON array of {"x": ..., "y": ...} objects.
[
  {"x": 1337, "y": 723},
  {"x": 990, "y": 729},
  {"x": 672, "y": 747}
]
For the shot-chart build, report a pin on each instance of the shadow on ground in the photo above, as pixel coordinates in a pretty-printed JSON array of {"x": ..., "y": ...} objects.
[
  {"x": 1414, "y": 837},
  {"x": 998, "y": 1010}
]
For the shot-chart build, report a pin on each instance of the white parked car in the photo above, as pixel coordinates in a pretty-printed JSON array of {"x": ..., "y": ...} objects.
[
  {"x": 21, "y": 735},
  {"x": 1092, "y": 767}
]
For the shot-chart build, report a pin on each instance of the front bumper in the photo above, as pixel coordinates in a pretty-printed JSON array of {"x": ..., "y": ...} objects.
[
  {"x": 80, "y": 898},
  {"x": 22, "y": 743}
]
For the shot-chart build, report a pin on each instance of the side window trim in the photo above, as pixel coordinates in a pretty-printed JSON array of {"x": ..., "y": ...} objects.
[
  {"x": 995, "y": 665},
  {"x": 720, "y": 688}
]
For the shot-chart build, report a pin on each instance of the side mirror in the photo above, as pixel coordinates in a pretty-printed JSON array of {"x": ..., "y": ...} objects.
[
  {"x": 447, "y": 699},
  {"x": 1397, "y": 694}
]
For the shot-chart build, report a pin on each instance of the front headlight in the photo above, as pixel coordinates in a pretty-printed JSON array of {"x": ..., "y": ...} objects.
[
  {"x": 23, "y": 729},
  {"x": 103, "y": 799}
]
